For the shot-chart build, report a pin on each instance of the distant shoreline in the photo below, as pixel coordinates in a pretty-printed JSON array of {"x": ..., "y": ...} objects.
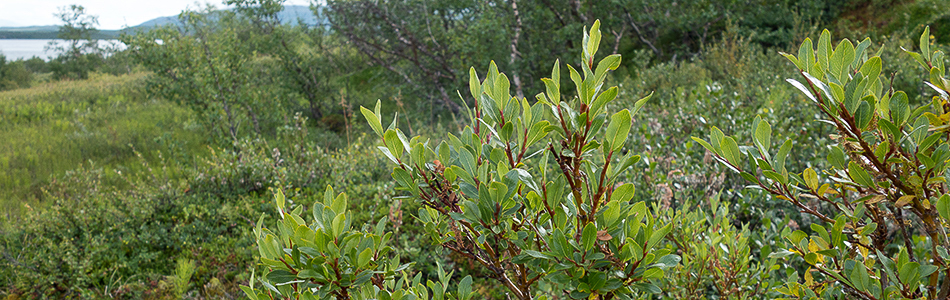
[{"x": 52, "y": 35}]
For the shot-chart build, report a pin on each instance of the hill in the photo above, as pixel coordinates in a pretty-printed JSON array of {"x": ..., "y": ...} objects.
[{"x": 292, "y": 15}]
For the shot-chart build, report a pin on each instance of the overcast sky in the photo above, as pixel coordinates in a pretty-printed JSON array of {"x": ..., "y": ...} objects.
[{"x": 113, "y": 14}]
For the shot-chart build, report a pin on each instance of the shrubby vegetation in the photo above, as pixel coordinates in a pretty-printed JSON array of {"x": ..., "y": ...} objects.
[
  {"x": 191, "y": 164},
  {"x": 14, "y": 75},
  {"x": 889, "y": 173}
]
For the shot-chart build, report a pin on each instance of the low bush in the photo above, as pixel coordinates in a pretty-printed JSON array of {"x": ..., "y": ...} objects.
[
  {"x": 111, "y": 233},
  {"x": 881, "y": 207}
]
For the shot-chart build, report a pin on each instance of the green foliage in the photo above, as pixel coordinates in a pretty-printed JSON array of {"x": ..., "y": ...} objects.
[
  {"x": 81, "y": 52},
  {"x": 327, "y": 259},
  {"x": 55, "y": 127},
  {"x": 886, "y": 169},
  {"x": 36, "y": 65},
  {"x": 312, "y": 61},
  {"x": 14, "y": 75},
  {"x": 719, "y": 259},
  {"x": 491, "y": 197},
  {"x": 115, "y": 226},
  {"x": 207, "y": 66},
  {"x": 99, "y": 241},
  {"x": 122, "y": 225},
  {"x": 183, "y": 272}
]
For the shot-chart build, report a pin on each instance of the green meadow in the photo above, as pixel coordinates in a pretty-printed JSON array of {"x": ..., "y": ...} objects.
[{"x": 103, "y": 122}]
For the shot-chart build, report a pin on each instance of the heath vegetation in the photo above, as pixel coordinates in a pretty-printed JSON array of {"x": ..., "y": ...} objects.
[{"x": 509, "y": 149}]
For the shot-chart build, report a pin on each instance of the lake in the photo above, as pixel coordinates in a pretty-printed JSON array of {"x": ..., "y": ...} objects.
[{"x": 26, "y": 49}]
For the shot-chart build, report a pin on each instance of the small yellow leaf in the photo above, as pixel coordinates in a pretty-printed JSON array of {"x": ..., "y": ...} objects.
[
  {"x": 813, "y": 247},
  {"x": 811, "y": 178},
  {"x": 826, "y": 189},
  {"x": 945, "y": 118},
  {"x": 875, "y": 199},
  {"x": 903, "y": 200},
  {"x": 934, "y": 119},
  {"x": 809, "y": 279}
]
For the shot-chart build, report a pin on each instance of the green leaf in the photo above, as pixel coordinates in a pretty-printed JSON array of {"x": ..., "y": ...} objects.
[
  {"x": 639, "y": 104},
  {"x": 806, "y": 55},
  {"x": 824, "y": 50},
  {"x": 364, "y": 257},
  {"x": 704, "y": 143},
  {"x": 648, "y": 287},
  {"x": 339, "y": 204},
  {"x": 578, "y": 83},
  {"x": 668, "y": 261},
  {"x": 763, "y": 136},
  {"x": 393, "y": 143},
  {"x": 775, "y": 176},
  {"x": 943, "y": 206},
  {"x": 837, "y": 158},
  {"x": 781, "y": 253},
  {"x": 802, "y": 88},
  {"x": 917, "y": 57},
  {"x": 797, "y": 236},
  {"x": 864, "y": 114},
  {"x": 792, "y": 59},
  {"x": 609, "y": 95},
  {"x": 909, "y": 274},
  {"x": 373, "y": 120},
  {"x": 501, "y": 90},
  {"x": 249, "y": 292},
  {"x": 925, "y": 43},
  {"x": 859, "y": 52},
  {"x": 658, "y": 235},
  {"x": 859, "y": 277},
  {"x": 338, "y": 223},
  {"x": 872, "y": 68},
  {"x": 537, "y": 254},
  {"x": 929, "y": 141},
  {"x": 623, "y": 193},
  {"x": 653, "y": 273},
  {"x": 553, "y": 85},
  {"x": 730, "y": 150},
  {"x": 592, "y": 41},
  {"x": 465, "y": 288},
  {"x": 589, "y": 236},
  {"x": 279, "y": 277},
  {"x": 618, "y": 129},
  {"x": 279, "y": 199},
  {"x": 841, "y": 60},
  {"x": 474, "y": 86},
  {"x": 859, "y": 175},
  {"x": 611, "y": 62}
]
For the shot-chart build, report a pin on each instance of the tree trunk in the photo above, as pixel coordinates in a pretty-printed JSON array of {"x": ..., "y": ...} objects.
[{"x": 514, "y": 50}]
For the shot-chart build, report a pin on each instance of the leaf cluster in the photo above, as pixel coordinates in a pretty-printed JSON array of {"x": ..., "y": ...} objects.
[{"x": 886, "y": 171}]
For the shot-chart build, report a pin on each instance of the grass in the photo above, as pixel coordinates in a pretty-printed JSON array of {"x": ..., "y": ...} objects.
[{"x": 101, "y": 122}]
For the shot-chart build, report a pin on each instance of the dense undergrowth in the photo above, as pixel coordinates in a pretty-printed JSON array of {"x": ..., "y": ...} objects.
[{"x": 108, "y": 191}]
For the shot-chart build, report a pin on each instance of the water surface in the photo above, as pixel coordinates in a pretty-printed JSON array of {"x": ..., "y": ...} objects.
[
  {"x": 15, "y": 49},
  {"x": 25, "y": 49}
]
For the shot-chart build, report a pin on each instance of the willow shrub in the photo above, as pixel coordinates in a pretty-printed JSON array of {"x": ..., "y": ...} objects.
[
  {"x": 882, "y": 208},
  {"x": 531, "y": 196}
]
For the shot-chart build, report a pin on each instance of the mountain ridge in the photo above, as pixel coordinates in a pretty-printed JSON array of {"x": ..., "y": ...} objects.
[{"x": 291, "y": 15}]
